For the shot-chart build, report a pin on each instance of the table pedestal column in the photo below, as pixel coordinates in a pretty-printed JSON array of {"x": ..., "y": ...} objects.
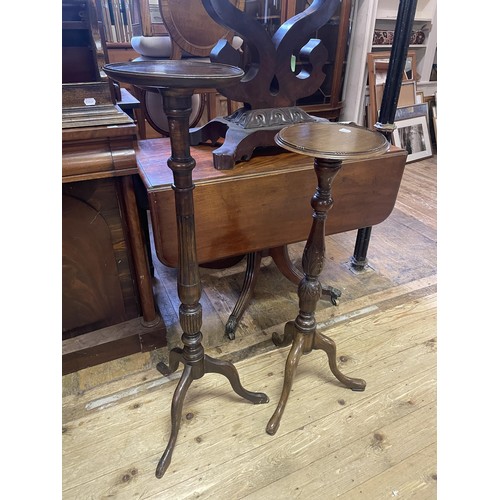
[{"x": 177, "y": 106}]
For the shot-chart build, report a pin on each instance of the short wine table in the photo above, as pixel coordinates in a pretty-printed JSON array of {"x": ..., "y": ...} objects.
[{"x": 330, "y": 144}]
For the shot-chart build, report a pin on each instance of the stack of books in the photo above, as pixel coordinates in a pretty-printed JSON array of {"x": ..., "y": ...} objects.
[{"x": 117, "y": 20}]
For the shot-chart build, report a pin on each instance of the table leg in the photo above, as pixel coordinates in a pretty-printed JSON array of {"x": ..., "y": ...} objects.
[
  {"x": 358, "y": 259},
  {"x": 229, "y": 371},
  {"x": 176, "y": 415},
  {"x": 328, "y": 345},
  {"x": 150, "y": 317},
  {"x": 251, "y": 273},
  {"x": 290, "y": 367}
]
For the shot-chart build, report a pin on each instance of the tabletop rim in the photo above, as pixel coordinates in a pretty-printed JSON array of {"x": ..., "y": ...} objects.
[
  {"x": 378, "y": 149},
  {"x": 220, "y": 74}
]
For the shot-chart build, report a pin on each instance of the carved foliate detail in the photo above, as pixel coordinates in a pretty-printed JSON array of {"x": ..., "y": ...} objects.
[
  {"x": 309, "y": 292},
  {"x": 313, "y": 257},
  {"x": 269, "y": 117}
]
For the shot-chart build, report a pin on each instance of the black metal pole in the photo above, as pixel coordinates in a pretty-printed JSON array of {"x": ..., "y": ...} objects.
[
  {"x": 397, "y": 61},
  {"x": 390, "y": 97}
]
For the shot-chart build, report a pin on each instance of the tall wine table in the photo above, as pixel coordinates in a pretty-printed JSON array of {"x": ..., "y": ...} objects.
[{"x": 176, "y": 81}]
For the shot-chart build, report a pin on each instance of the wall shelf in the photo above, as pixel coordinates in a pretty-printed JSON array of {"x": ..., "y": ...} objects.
[
  {"x": 388, "y": 47},
  {"x": 371, "y": 15}
]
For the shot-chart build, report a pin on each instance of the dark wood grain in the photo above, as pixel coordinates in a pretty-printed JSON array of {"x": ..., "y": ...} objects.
[
  {"x": 106, "y": 279},
  {"x": 110, "y": 343},
  {"x": 265, "y": 202},
  {"x": 192, "y": 30},
  {"x": 96, "y": 293}
]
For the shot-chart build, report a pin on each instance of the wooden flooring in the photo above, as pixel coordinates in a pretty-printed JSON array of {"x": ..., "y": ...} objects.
[{"x": 332, "y": 442}]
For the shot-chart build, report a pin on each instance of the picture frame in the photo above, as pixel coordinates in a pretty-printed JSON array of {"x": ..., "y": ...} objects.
[
  {"x": 378, "y": 65},
  {"x": 412, "y": 134},
  {"x": 434, "y": 120},
  {"x": 412, "y": 111},
  {"x": 407, "y": 94}
]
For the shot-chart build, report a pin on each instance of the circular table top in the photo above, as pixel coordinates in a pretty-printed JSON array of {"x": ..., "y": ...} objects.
[
  {"x": 187, "y": 73},
  {"x": 336, "y": 141}
]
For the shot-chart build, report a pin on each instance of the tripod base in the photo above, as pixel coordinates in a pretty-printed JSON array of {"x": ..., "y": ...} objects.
[
  {"x": 192, "y": 371},
  {"x": 300, "y": 345}
]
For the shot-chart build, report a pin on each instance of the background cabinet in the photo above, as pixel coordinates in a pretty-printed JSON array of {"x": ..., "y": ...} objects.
[
  {"x": 425, "y": 21},
  {"x": 80, "y": 57},
  {"x": 108, "y": 308},
  {"x": 99, "y": 288},
  {"x": 371, "y": 15},
  {"x": 115, "y": 19},
  {"x": 335, "y": 34}
]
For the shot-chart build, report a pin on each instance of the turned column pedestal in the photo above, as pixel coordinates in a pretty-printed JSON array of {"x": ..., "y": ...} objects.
[{"x": 176, "y": 81}]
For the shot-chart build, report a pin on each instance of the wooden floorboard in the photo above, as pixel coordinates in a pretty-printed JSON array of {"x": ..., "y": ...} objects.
[{"x": 332, "y": 442}]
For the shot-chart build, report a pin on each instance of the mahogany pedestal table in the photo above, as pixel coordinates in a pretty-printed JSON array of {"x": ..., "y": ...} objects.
[
  {"x": 175, "y": 81},
  {"x": 330, "y": 144}
]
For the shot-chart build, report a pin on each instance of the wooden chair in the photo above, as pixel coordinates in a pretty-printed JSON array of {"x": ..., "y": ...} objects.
[{"x": 185, "y": 31}]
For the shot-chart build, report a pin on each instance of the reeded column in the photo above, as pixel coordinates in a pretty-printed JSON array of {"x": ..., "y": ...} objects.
[
  {"x": 177, "y": 107},
  {"x": 176, "y": 81}
]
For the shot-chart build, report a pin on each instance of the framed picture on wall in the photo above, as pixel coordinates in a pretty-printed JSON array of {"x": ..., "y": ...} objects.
[{"x": 412, "y": 134}]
